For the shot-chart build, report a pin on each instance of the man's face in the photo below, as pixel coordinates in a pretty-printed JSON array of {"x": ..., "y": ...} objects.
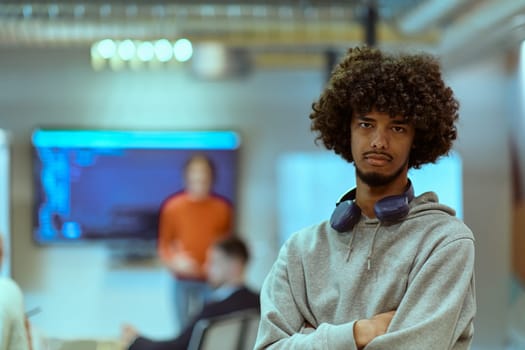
[
  {"x": 219, "y": 267},
  {"x": 199, "y": 178},
  {"x": 381, "y": 147}
]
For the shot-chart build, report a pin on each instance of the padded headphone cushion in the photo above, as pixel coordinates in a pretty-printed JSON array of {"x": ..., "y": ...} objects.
[
  {"x": 388, "y": 210},
  {"x": 391, "y": 209},
  {"x": 345, "y": 216}
]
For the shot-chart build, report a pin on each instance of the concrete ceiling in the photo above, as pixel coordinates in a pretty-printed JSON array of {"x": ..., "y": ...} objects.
[{"x": 455, "y": 29}]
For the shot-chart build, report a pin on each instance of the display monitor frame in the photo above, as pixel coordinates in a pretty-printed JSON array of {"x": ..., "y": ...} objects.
[{"x": 100, "y": 185}]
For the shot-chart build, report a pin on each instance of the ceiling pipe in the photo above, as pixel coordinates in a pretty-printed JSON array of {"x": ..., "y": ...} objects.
[
  {"x": 477, "y": 23},
  {"x": 370, "y": 23},
  {"x": 427, "y": 14}
]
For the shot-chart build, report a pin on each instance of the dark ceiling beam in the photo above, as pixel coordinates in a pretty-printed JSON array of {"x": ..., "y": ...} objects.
[{"x": 370, "y": 20}]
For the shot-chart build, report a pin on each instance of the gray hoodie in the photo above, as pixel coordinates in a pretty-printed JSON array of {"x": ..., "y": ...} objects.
[{"x": 422, "y": 267}]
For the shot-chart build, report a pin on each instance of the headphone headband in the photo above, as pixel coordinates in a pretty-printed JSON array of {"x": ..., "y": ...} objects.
[{"x": 388, "y": 210}]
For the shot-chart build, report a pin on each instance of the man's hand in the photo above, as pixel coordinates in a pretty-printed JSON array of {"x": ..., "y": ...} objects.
[
  {"x": 366, "y": 330},
  {"x": 180, "y": 262},
  {"x": 183, "y": 264},
  {"x": 129, "y": 334}
]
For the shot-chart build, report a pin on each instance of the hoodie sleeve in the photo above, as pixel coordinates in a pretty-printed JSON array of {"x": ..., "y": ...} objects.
[
  {"x": 438, "y": 308},
  {"x": 284, "y": 313},
  {"x": 12, "y": 328}
]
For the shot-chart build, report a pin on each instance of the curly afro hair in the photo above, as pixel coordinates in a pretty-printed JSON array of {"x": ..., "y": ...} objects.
[{"x": 399, "y": 85}]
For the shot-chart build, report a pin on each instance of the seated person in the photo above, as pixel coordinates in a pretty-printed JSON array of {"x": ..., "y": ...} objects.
[
  {"x": 14, "y": 328},
  {"x": 226, "y": 263}
]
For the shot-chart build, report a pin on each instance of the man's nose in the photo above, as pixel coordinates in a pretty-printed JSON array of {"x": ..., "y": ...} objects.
[{"x": 379, "y": 139}]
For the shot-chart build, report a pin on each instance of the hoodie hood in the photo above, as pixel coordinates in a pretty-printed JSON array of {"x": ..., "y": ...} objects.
[{"x": 426, "y": 203}]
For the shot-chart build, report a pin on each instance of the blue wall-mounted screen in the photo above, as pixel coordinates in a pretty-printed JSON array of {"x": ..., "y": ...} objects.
[{"x": 100, "y": 184}]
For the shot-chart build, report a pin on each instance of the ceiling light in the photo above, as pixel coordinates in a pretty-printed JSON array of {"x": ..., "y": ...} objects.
[
  {"x": 27, "y": 11},
  {"x": 106, "y": 48},
  {"x": 53, "y": 10},
  {"x": 105, "y": 10},
  {"x": 126, "y": 50},
  {"x": 163, "y": 50},
  {"x": 145, "y": 51},
  {"x": 183, "y": 50},
  {"x": 79, "y": 10}
]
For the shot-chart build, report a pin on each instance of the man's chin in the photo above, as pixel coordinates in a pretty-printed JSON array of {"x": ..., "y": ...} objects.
[
  {"x": 375, "y": 179},
  {"x": 379, "y": 179}
]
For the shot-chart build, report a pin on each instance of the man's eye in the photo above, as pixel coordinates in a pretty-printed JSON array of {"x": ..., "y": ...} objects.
[
  {"x": 365, "y": 125},
  {"x": 398, "y": 129}
]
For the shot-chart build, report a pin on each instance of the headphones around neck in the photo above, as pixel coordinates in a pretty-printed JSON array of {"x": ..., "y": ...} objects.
[{"x": 388, "y": 210}]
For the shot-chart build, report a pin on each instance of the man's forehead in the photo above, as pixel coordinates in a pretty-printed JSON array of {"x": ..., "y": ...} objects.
[{"x": 374, "y": 115}]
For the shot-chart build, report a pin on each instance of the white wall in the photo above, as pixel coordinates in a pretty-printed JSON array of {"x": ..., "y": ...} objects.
[
  {"x": 82, "y": 294},
  {"x": 483, "y": 90},
  {"x": 5, "y": 263}
]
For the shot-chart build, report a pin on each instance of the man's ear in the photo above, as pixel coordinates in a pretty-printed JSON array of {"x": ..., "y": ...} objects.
[{"x": 236, "y": 266}]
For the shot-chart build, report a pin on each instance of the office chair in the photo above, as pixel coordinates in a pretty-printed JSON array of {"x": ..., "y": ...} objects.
[{"x": 234, "y": 331}]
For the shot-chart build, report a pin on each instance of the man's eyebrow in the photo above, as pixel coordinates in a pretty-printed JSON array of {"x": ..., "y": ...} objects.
[
  {"x": 403, "y": 121},
  {"x": 365, "y": 118},
  {"x": 397, "y": 121}
]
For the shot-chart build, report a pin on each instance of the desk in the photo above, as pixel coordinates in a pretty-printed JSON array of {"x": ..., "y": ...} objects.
[{"x": 76, "y": 344}]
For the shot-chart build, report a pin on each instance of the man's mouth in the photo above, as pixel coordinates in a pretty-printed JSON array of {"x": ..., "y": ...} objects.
[{"x": 377, "y": 159}]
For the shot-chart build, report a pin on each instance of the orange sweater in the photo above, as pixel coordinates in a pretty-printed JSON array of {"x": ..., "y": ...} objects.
[{"x": 194, "y": 224}]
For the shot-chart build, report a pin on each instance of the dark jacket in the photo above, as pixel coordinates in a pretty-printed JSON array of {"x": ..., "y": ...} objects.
[{"x": 242, "y": 299}]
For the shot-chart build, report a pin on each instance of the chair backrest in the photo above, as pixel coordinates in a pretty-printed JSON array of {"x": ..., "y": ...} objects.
[
  {"x": 251, "y": 327},
  {"x": 234, "y": 331}
]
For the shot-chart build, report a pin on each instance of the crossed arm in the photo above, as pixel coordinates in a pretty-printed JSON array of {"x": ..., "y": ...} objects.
[{"x": 367, "y": 329}]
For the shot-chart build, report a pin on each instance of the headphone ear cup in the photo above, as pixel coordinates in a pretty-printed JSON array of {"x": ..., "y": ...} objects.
[
  {"x": 345, "y": 216},
  {"x": 388, "y": 210},
  {"x": 394, "y": 208}
]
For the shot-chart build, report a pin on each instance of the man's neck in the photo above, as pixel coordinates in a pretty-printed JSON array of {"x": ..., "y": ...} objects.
[
  {"x": 230, "y": 285},
  {"x": 367, "y": 196},
  {"x": 225, "y": 291},
  {"x": 197, "y": 197}
]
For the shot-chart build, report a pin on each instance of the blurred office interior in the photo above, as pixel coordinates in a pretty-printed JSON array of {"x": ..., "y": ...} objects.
[{"x": 253, "y": 67}]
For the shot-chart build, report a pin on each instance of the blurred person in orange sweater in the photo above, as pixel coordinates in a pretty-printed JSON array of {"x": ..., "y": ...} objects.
[{"x": 190, "y": 222}]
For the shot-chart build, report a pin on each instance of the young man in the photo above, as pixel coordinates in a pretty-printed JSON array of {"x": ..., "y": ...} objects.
[
  {"x": 389, "y": 270},
  {"x": 190, "y": 221},
  {"x": 226, "y": 264}
]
